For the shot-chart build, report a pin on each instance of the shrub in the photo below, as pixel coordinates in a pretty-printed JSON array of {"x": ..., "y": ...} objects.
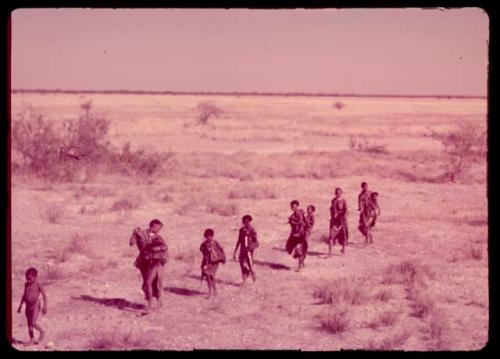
[
  {"x": 334, "y": 321},
  {"x": 385, "y": 319},
  {"x": 52, "y": 273},
  {"x": 422, "y": 304},
  {"x": 261, "y": 192},
  {"x": 384, "y": 295},
  {"x": 37, "y": 140},
  {"x": 79, "y": 147},
  {"x": 390, "y": 343},
  {"x": 338, "y": 105},
  {"x": 59, "y": 255},
  {"x": 438, "y": 328},
  {"x": 140, "y": 162},
  {"x": 53, "y": 214},
  {"x": 223, "y": 208},
  {"x": 476, "y": 253},
  {"x": 407, "y": 273},
  {"x": 365, "y": 146},
  {"x": 461, "y": 146},
  {"x": 85, "y": 138},
  {"x": 116, "y": 339},
  {"x": 207, "y": 109},
  {"x": 126, "y": 204},
  {"x": 340, "y": 291},
  {"x": 78, "y": 244}
]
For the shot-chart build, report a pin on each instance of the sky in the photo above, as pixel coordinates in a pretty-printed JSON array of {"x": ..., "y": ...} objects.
[{"x": 351, "y": 51}]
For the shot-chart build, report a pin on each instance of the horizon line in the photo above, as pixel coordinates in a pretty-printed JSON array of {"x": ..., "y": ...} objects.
[{"x": 236, "y": 93}]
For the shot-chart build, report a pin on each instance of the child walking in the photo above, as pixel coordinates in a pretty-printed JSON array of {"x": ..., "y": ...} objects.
[
  {"x": 31, "y": 298},
  {"x": 213, "y": 254},
  {"x": 247, "y": 243}
]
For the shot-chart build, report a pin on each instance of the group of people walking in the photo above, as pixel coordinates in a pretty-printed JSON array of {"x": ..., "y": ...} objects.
[{"x": 153, "y": 250}]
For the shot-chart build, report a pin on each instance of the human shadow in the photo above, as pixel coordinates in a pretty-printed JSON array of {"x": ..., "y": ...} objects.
[
  {"x": 182, "y": 291},
  {"x": 271, "y": 265},
  {"x": 118, "y": 303},
  {"x": 309, "y": 253},
  {"x": 218, "y": 281}
]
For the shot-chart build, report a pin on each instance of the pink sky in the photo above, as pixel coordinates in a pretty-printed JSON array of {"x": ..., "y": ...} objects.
[{"x": 363, "y": 51}]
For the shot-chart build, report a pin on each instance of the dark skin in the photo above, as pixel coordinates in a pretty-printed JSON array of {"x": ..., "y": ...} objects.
[
  {"x": 246, "y": 225},
  {"x": 212, "y": 289},
  {"x": 295, "y": 208},
  {"x": 155, "y": 229},
  {"x": 369, "y": 237},
  {"x": 31, "y": 279},
  {"x": 338, "y": 194}
]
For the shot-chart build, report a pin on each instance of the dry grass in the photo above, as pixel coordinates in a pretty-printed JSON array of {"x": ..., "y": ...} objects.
[
  {"x": 341, "y": 291},
  {"x": 438, "y": 330},
  {"x": 422, "y": 304},
  {"x": 126, "y": 204},
  {"x": 52, "y": 273},
  {"x": 385, "y": 319},
  {"x": 407, "y": 273},
  {"x": 391, "y": 343},
  {"x": 226, "y": 209},
  {"x": 53, "y": 214},
  {"x": 476, "y": 253},
  {"x": 115, "y": 339},
  {"x": 384, "y": 295},
  {"x": 59, "y": 255},
  {"x": 334, "y": 321},
  {"x": 253, "y": 192}
]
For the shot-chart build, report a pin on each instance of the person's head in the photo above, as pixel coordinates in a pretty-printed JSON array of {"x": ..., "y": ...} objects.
[
  {"x": 311, "y": 209},
  {"x": 246, "y": 220},
  {"x": 338, "y": 192},
  {"x": 374, "y": 196},
  {"x": 209, "y": 233},
  {"x": 155, "y": 225},
  {"x": 364, "y": 186},
  {"x": 294, "y": 205},
  {"x": 31, "y": 275}
]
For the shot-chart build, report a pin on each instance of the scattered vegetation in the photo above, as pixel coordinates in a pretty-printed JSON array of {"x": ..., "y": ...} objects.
[
  {"x": 53, "y": 213},
  {"x": 253, "y": 192},
  {"x": 52, "y": 272},
  {"x": 390, "y": 343},
  {"x": 385, "y": 319},
  {"x": 407, "y": 273},
  {"x": 341, "y": 291},
  {"x": 355, "y": 143},
  {"x": 384, "y": 295},
  {"x": 339, "y": 105},
  {"x": 223, "y": 208},
  {"x": 76, "y": 146},
  {"x": 125, "y": 204},
  {"x": 422, "y": 303},
  {"x": 115, "y": 339},
  {"x": 334, "y": 321},
  {"x": 462, "y": 146}
]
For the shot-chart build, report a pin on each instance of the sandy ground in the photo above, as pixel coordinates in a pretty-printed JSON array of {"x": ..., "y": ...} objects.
[{"x": 95, "y": 301}]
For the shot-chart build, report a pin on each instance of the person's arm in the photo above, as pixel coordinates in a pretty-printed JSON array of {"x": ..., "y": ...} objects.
[
  {"x": 20, "y": 304},
  {"x": 237, "y": 245},
  {"x": 44, "y": 296}
]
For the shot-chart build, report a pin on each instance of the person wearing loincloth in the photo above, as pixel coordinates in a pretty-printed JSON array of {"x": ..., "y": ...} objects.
[
  {"x": 368, "y": 217},
  {"x": 296, "y": 244},
  {"x": 338, "y": 222},
  {"x": 213, "y": 254},
  {"x": 153, "y": 255},
  {"x": 247, "y": 242}
]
